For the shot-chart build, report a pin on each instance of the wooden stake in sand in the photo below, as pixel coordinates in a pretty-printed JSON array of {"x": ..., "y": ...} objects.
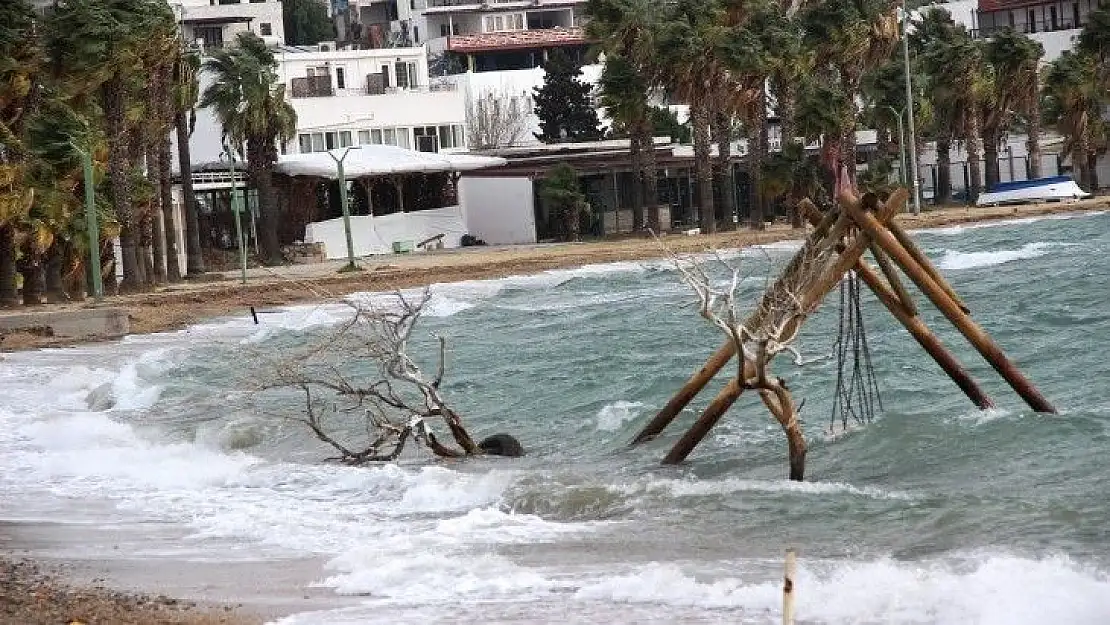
[{"x": 788, "y": 588}]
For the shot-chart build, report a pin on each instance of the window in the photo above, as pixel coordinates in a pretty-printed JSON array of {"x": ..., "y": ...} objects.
[
  {"x": 376, "y": 136},
  {"x": 304, "y": 143},
  {"x": 416, "y": 34},
  {"x": 212, "y": 36},
  {"x": 318, "y": 142},
  {"x": 451, "y": 136},
  {"x": 385, "y": 76},
  {"x": 340, "y": 78},
  {"x": 229, "y": 1},
  {"x": 443, "y": 30},
  {"x": 1031, "y": 25},
  {"x": 265, "y": 30},
  {"x": 389, "y": 136},
  {"x": 403, "y": 140},
  {"x": 364, "y": 137},
  {"x": 512, "y": 21},
  {"x": 427, "y": 139},
  {"x": 406, "y": 75},
  {"x": 1052, "y": 12}
]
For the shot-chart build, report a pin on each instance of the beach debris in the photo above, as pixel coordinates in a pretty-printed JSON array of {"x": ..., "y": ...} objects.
[
  {"x": 832, "y": 254},
  {"x": 363, "y": 372}
]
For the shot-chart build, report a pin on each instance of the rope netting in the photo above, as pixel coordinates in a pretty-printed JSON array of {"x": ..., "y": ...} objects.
[{"x": 857, "y": 390}]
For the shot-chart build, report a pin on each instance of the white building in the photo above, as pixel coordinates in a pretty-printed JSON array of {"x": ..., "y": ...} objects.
[
  {"x": 215, "y": 23},
  {"x": 377, "y": 96}
]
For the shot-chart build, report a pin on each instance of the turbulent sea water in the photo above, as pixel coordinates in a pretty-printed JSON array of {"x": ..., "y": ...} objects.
[{"x": 934, "y": 513}]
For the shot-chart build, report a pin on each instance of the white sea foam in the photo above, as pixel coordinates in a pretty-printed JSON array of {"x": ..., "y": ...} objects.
[
  {"x": 612, "y": 417},
  {"x": 700, "y": 488},
  {"x": 970, "y": 260},
  {"x": 988, "y": 589}
]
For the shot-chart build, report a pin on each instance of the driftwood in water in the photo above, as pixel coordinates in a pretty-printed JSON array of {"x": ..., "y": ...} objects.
[{"x": 835, "y": 247}]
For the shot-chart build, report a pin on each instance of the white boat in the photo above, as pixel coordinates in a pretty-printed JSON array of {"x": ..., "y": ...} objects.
[{"x": 1056, "y": 188}]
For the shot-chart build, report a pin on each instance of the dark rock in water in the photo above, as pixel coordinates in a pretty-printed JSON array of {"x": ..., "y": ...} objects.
[{"x": 501, "y": 445}]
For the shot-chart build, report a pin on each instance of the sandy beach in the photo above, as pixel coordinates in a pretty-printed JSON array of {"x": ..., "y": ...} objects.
[{"x": 53, "y": 591}]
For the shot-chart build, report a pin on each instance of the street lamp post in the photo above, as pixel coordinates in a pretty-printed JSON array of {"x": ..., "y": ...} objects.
[
  {"x": 901, "y": 144},
  {"x": 346, "y": 209},
  {"x": 904, "y": 17},
  {"x": 91, "y": 226},
  {"x": 236, "y": 210}
]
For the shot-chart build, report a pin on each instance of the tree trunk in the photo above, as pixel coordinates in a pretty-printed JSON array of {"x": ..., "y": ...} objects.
[
  {"x": 757, "y": 154},
  {"x": 722, "y": 172},
  {"x": 9, "y": 295},
  {"x": 848, "y": 130},
  {"x": 73, "y": 280},
  {"x": 194, "y": 260},
  {"x": 113, "y": 93},
  {"x": 787, "y": 107},
  {"x": 635, "y": 149},
  {"x": 703, "y": 167},
  {"x": 165, "y": 184},
  {"x": 1092, "y": 171},
  {"x": 1033, "y": 141},
  {"x": 649, "y": 175},
  {"x": 990, "y": 156},
  {"x": 974, "y": 167},
  {"x": 262, "y": 175},
  {"x": 33, "y": 278},
  {"x": 943, "y": 193},
  {"x": 157, "y": 235},
  {"x": 53, "y": 267}
]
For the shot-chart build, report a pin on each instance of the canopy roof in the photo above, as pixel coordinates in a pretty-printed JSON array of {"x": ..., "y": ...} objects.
[{"x": 379, "y": 160}]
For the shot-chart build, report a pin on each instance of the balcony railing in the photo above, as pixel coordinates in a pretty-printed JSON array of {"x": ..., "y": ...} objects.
[
  {"x": 1030, "y": 28},
  {"x": 433, "y": 4},
  {"x": 312, "y": 87}
]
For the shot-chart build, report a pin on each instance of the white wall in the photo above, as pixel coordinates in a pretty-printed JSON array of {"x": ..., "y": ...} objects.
[
  {"x": 356, "y": 64},
  {"x": 375, "y": 235},
  {"x": 499, "y": 211},
  {"x": 264, "y": 12}
]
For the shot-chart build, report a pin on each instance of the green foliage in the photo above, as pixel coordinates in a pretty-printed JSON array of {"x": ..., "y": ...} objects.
[
  {"x": 665, "y": 123},
  {"x": 1073, "y": 101},
  {"x": 564, "y": 103},
  {"x": 562, "y": 194},
  {"x": 791, "y": 172},
  {"x": 306, "y": 22},
  {"x": 877, "y": 178}
]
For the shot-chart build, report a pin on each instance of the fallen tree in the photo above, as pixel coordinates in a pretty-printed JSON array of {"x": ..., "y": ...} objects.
[{"x": 363, "y": 371}]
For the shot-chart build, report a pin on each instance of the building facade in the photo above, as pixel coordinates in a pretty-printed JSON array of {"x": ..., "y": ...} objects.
[
  {"x": 1056, "y": 25},
  {"x": 212, "y": 24}
]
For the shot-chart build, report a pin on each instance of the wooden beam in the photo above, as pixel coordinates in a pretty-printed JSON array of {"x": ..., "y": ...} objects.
[
  {"x": 892, "y": 277},
  {"x": 713, "y": 413},
  {"x": 924, "y": 336},
  {"x": 915, "y": 252},
  {"x": 959, "y": 318}
]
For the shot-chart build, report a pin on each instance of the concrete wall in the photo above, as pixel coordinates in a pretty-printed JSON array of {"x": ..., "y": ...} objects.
[{"x": 499, "y": 210}]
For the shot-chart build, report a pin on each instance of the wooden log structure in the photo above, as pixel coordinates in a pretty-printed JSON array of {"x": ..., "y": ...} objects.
[{"x": 836, "y": 246}]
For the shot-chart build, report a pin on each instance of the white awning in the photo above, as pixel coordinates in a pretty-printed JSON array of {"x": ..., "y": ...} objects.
[{"x": 380, "y": 160}]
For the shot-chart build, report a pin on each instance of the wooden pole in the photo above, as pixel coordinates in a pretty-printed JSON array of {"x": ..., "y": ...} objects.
[
  {"x": 713, "y": 413},
  {"x": 724, "y": 353},
  {"x": 971, "y": 330},
  {"x": 892, "y": 278},
  {"x": 924, "y": 337},
  {"x": 915, "y": 252},
  {"x": 788, "y": 588}
]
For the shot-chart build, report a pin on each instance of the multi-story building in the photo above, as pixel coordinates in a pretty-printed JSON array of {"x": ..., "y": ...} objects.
[
  {"x": 379, "y": 96},
  {"x": 1055, "y": 24},
  {"x": 215, "y": 23},
  {"x": 377, "y": 23}
]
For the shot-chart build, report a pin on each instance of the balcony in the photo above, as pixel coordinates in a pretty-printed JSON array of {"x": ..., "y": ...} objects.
[
  {"x": 1029, "y": 28},
  {"x": 311, "y": 87}
]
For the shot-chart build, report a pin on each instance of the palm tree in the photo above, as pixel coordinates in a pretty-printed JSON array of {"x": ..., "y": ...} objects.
[
  {"x": 1073, "y": 101},
  {"x": 626, "y": 30},
  {"x": 853, "y": 36},
  {"x": 186, "y": 90},
  {"x": 1095, "y": 41},
  {"x": 689, "y": 65},
  {"x": 250, "y": 103},
  {"x": 1012, "y": 60}
]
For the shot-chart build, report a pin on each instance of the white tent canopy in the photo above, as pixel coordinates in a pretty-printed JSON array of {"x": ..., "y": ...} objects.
[{"x": 380, "y": 160}]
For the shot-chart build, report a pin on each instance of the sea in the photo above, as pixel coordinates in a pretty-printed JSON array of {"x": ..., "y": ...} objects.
[{"x": 168, "y": 450}]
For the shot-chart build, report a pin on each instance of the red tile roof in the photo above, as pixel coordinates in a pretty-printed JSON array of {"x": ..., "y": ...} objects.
[{"x": 488, "y": 42}]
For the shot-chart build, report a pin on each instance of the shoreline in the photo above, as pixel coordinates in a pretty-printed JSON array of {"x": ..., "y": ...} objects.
[{"x": 178, "y": 306}]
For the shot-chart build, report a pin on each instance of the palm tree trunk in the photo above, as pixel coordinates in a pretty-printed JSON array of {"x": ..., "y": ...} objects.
[
  {"x": 194, "y": 260},
  {"x": 262, "y": 176},
  {"x": 1033, "y": 142},
  {"x": 974, "y": 166},
  {"x": 703, "y": 167},
  {"x": 73, "y": 280},
  {"x": 943, "y": 192},
  {"x": 649, "y": 175},
  {"x": 165, "y": 184},
  {"x": 757, "y": 154},
  {"x": 787, "y": 107},
  {"x": 113, "y": 93},
  {"x": 33, "y": 278},
  {"x": 990, "y": 155},
  {"x": 157, "y": 234},
  {"x": 722, "y": 173},
  {"x": 1092, "y": 171},
  {"x": 9, "y": 295},
  {"x": 635, "y": 149},
  {"x": 55, "y": 286}
]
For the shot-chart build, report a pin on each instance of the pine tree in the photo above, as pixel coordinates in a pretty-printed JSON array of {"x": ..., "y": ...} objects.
[{"x": 564, "y": 103}]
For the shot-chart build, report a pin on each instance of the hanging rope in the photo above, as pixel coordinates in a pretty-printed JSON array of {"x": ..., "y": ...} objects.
[{"x": 857, "y": 390}]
